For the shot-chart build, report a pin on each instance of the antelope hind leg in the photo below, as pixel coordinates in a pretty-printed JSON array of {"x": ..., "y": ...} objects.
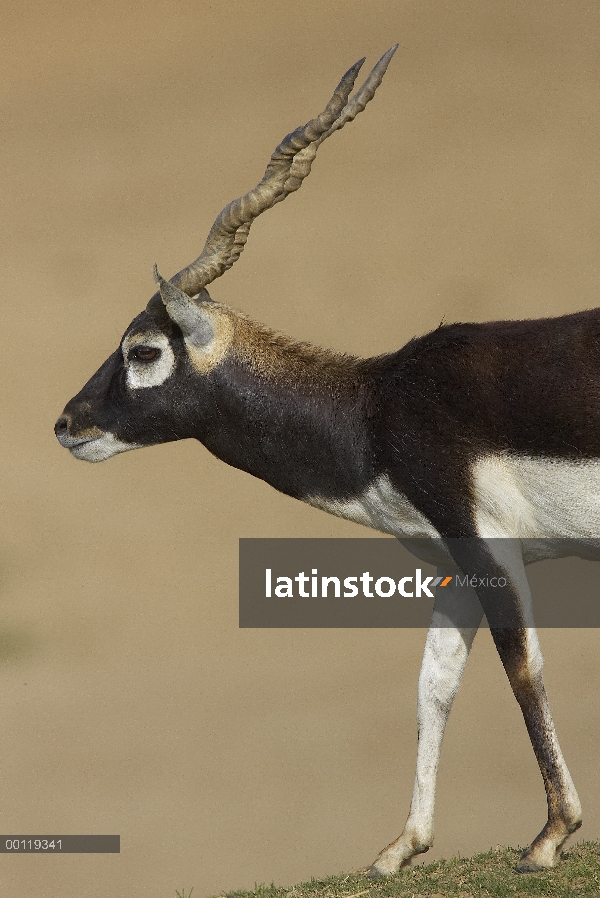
[{"x": 519, "y": 650}]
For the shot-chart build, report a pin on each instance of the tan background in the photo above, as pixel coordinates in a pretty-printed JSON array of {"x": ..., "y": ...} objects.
[{"x": 130, "y": 701}]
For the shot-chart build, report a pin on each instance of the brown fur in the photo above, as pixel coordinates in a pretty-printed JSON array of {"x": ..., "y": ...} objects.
[
  {"x": 204, "y": 360},
  {"x": 277, "y": 357}
]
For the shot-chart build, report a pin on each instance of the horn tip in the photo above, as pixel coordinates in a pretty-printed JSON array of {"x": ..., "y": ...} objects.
[
  {"x": 389, "y": 53},
  {"x": 354, "y": 69}
]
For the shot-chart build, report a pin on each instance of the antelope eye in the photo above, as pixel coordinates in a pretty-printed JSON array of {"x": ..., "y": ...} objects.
[{"x": 144, "y": 354}]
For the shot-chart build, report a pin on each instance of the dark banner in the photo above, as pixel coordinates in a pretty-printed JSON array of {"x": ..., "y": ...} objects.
[
  {"x": 388, "y": 583},
  {"x": 51, "y": 844}
]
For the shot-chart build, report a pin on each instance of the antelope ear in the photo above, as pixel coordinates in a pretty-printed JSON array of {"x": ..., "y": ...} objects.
[{"x": 187, "y": 313}]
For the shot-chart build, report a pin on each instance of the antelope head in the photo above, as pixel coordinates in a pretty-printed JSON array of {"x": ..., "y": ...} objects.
[{"x": 148, "y": 390}]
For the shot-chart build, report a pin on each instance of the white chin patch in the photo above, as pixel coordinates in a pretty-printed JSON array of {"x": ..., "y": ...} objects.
[{"x": 102, "y": 448}]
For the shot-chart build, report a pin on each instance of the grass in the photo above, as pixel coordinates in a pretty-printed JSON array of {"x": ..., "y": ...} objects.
[{"x": 489, "y": 875}]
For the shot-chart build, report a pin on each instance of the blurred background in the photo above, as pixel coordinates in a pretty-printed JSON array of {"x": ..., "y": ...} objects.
[{"x": 130, "y": 701}]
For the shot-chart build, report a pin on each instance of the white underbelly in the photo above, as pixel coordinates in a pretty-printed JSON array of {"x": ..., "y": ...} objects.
[{"x": 529, "y": 498}]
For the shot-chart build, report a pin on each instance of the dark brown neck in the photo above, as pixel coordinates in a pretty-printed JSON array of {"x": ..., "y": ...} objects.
[{"x": 291, "y": 414}]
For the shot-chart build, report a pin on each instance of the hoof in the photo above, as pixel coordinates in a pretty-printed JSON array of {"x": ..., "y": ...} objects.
[
  {"x": 525, "y": 866},
  {"x": 528, "y": 864},
  {"x": 374, "y": 873}
]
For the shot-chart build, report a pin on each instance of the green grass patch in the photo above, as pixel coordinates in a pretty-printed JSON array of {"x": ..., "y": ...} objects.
[{"x": 489, "y": 875}]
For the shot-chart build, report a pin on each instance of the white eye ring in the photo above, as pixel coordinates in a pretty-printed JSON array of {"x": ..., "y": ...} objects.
[{"x": 149, "y": 360}]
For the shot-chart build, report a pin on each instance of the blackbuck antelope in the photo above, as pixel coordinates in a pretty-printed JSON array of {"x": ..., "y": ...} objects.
[{"x": 482, "y": 438}]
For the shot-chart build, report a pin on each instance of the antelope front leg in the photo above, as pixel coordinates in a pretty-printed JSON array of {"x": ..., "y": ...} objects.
[{"x": 456, "y": 617}]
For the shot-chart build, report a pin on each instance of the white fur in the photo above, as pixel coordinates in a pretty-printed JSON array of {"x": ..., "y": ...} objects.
[
  {"x": 538, "y": 499},
  {"x": 382, "y": 508},
  {"x": 148, "y": 374},
  {"x": 456, "y": 617},
  {"x": 101, "y": 448}
]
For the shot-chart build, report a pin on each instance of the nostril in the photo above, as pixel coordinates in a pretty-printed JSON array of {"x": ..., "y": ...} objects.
[{"x": 62, "y": 425}]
